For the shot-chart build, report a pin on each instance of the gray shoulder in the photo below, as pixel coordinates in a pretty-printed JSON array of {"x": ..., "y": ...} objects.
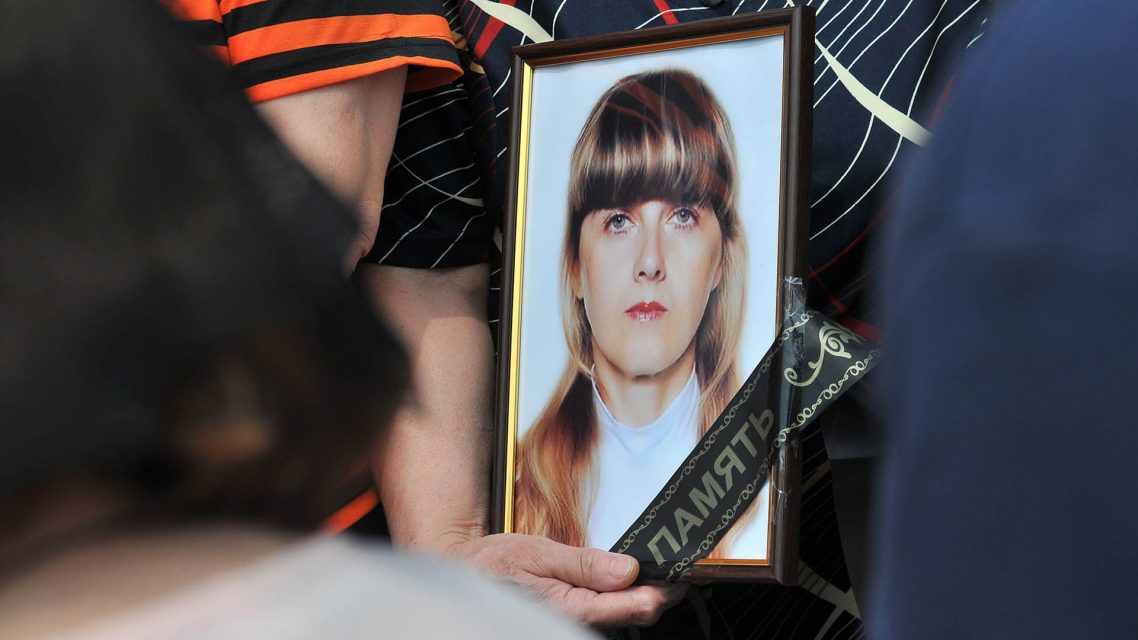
[{"x": 353, "y": 588}]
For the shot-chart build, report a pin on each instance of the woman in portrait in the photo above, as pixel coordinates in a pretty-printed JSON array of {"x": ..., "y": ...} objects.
[{"x": 654, "y": 267}]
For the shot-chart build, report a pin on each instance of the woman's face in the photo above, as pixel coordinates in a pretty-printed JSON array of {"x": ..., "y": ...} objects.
[{"x": 646, "y": 272}]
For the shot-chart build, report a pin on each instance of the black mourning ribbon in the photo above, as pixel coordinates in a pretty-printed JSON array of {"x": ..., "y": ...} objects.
[{"x": 811, "y": 363}]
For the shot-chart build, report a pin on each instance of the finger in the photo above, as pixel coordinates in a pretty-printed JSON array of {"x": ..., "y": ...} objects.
[
  {"x": 641, "y": 605},
  {"x": 673, "y": 594},
  {"x": 590, "y": 568}
]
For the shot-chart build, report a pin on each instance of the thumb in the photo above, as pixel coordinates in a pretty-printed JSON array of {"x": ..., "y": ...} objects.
[{"x": 590, "y": 568}]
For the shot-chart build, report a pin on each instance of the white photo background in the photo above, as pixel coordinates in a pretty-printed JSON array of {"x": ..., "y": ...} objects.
[{"x": 746, "y": 77}]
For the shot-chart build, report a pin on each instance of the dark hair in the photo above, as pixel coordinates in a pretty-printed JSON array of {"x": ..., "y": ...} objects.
[{"x": 166, "y": 265}]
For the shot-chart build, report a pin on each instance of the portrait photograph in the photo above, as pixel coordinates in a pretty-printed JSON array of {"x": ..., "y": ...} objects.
[{"x": 650, "y": 235}]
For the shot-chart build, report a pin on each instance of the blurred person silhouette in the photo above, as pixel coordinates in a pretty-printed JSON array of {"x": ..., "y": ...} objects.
[
  {"x": 1007, "y": 288},
  {"x": 187, "y": 384}
]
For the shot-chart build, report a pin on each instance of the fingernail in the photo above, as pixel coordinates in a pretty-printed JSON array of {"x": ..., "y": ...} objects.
[{"x": 621, "y": 566}]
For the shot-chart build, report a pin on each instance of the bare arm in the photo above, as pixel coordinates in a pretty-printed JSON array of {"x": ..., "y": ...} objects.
[
  {"x": 344, "y": 133},
  {"x": 434, "y": 473},
  {"x": 433, "y": 485}
]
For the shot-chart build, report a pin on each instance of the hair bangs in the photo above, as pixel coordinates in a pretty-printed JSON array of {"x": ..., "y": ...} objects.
[{"x": 654, "y": 136}]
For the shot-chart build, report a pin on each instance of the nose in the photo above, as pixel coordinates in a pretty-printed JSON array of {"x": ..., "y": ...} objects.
[{"x": 650, "y": 262}]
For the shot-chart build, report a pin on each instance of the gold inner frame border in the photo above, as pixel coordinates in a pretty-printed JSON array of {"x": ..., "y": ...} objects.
[{"x": 520, "y": 230}]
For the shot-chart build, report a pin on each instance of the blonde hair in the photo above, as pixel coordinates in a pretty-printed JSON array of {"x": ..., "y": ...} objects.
[{"x": 661, "y": 135}]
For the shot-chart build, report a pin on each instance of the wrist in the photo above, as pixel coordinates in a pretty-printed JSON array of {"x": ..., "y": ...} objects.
[{"x": 437, "y": 540}]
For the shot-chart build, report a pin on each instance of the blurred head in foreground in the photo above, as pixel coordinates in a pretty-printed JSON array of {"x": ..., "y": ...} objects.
[{"x": 175, "y": 321}]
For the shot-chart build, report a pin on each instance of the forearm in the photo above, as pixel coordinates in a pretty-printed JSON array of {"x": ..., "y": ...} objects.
[{"x": 433, "y": 469}]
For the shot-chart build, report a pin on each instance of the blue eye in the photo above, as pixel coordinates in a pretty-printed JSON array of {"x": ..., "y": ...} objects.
[
  {"x": 617, "y": 222},
  {"x": 685, "y": 217}
]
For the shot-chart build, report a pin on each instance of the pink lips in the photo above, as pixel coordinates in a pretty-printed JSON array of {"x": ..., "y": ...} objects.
[{"x": 646, "y": 311}]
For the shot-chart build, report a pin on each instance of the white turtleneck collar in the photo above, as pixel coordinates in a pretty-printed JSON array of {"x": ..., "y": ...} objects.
[
  {"x": 632, "y": 463},
  {"x": 684, "y": 408}
]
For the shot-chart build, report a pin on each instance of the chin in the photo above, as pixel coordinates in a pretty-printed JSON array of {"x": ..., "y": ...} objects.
[
  {"x": 640, "y": 354},
  {"x": 638, "y": 365},
  {"x": 643, "y": 372}
]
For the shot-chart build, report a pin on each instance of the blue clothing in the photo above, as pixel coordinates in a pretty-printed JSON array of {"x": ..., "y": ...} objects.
[{"x": 1008, "y": 507}]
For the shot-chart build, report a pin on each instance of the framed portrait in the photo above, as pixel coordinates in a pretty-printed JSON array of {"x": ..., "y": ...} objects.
[{"x": 659, "y": 185}]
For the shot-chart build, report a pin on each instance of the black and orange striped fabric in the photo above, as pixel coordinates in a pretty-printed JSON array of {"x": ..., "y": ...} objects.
[{"x": 280, "y": 47}]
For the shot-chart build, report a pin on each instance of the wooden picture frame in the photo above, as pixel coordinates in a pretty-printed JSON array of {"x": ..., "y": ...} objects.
[{"x": 568, "y": 346}]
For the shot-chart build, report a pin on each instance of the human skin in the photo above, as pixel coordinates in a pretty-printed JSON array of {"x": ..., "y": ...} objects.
[
  {"x": 433, "y": 481},
  {"x": 645, "y": 274}
]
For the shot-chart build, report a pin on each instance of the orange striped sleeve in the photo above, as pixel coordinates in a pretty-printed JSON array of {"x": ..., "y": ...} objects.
[
  {"x": 352, "y": 512},
  {"x": 426, "y": 73},
  {"x": 290, "y": 36},
  {"x": 193, "y": 10},
  {"x": 230, "y": 5},
  {"x": 280, "y": 47},
  {"x": 274, "y": 59},
  {"x": 203, "y": 18}
]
